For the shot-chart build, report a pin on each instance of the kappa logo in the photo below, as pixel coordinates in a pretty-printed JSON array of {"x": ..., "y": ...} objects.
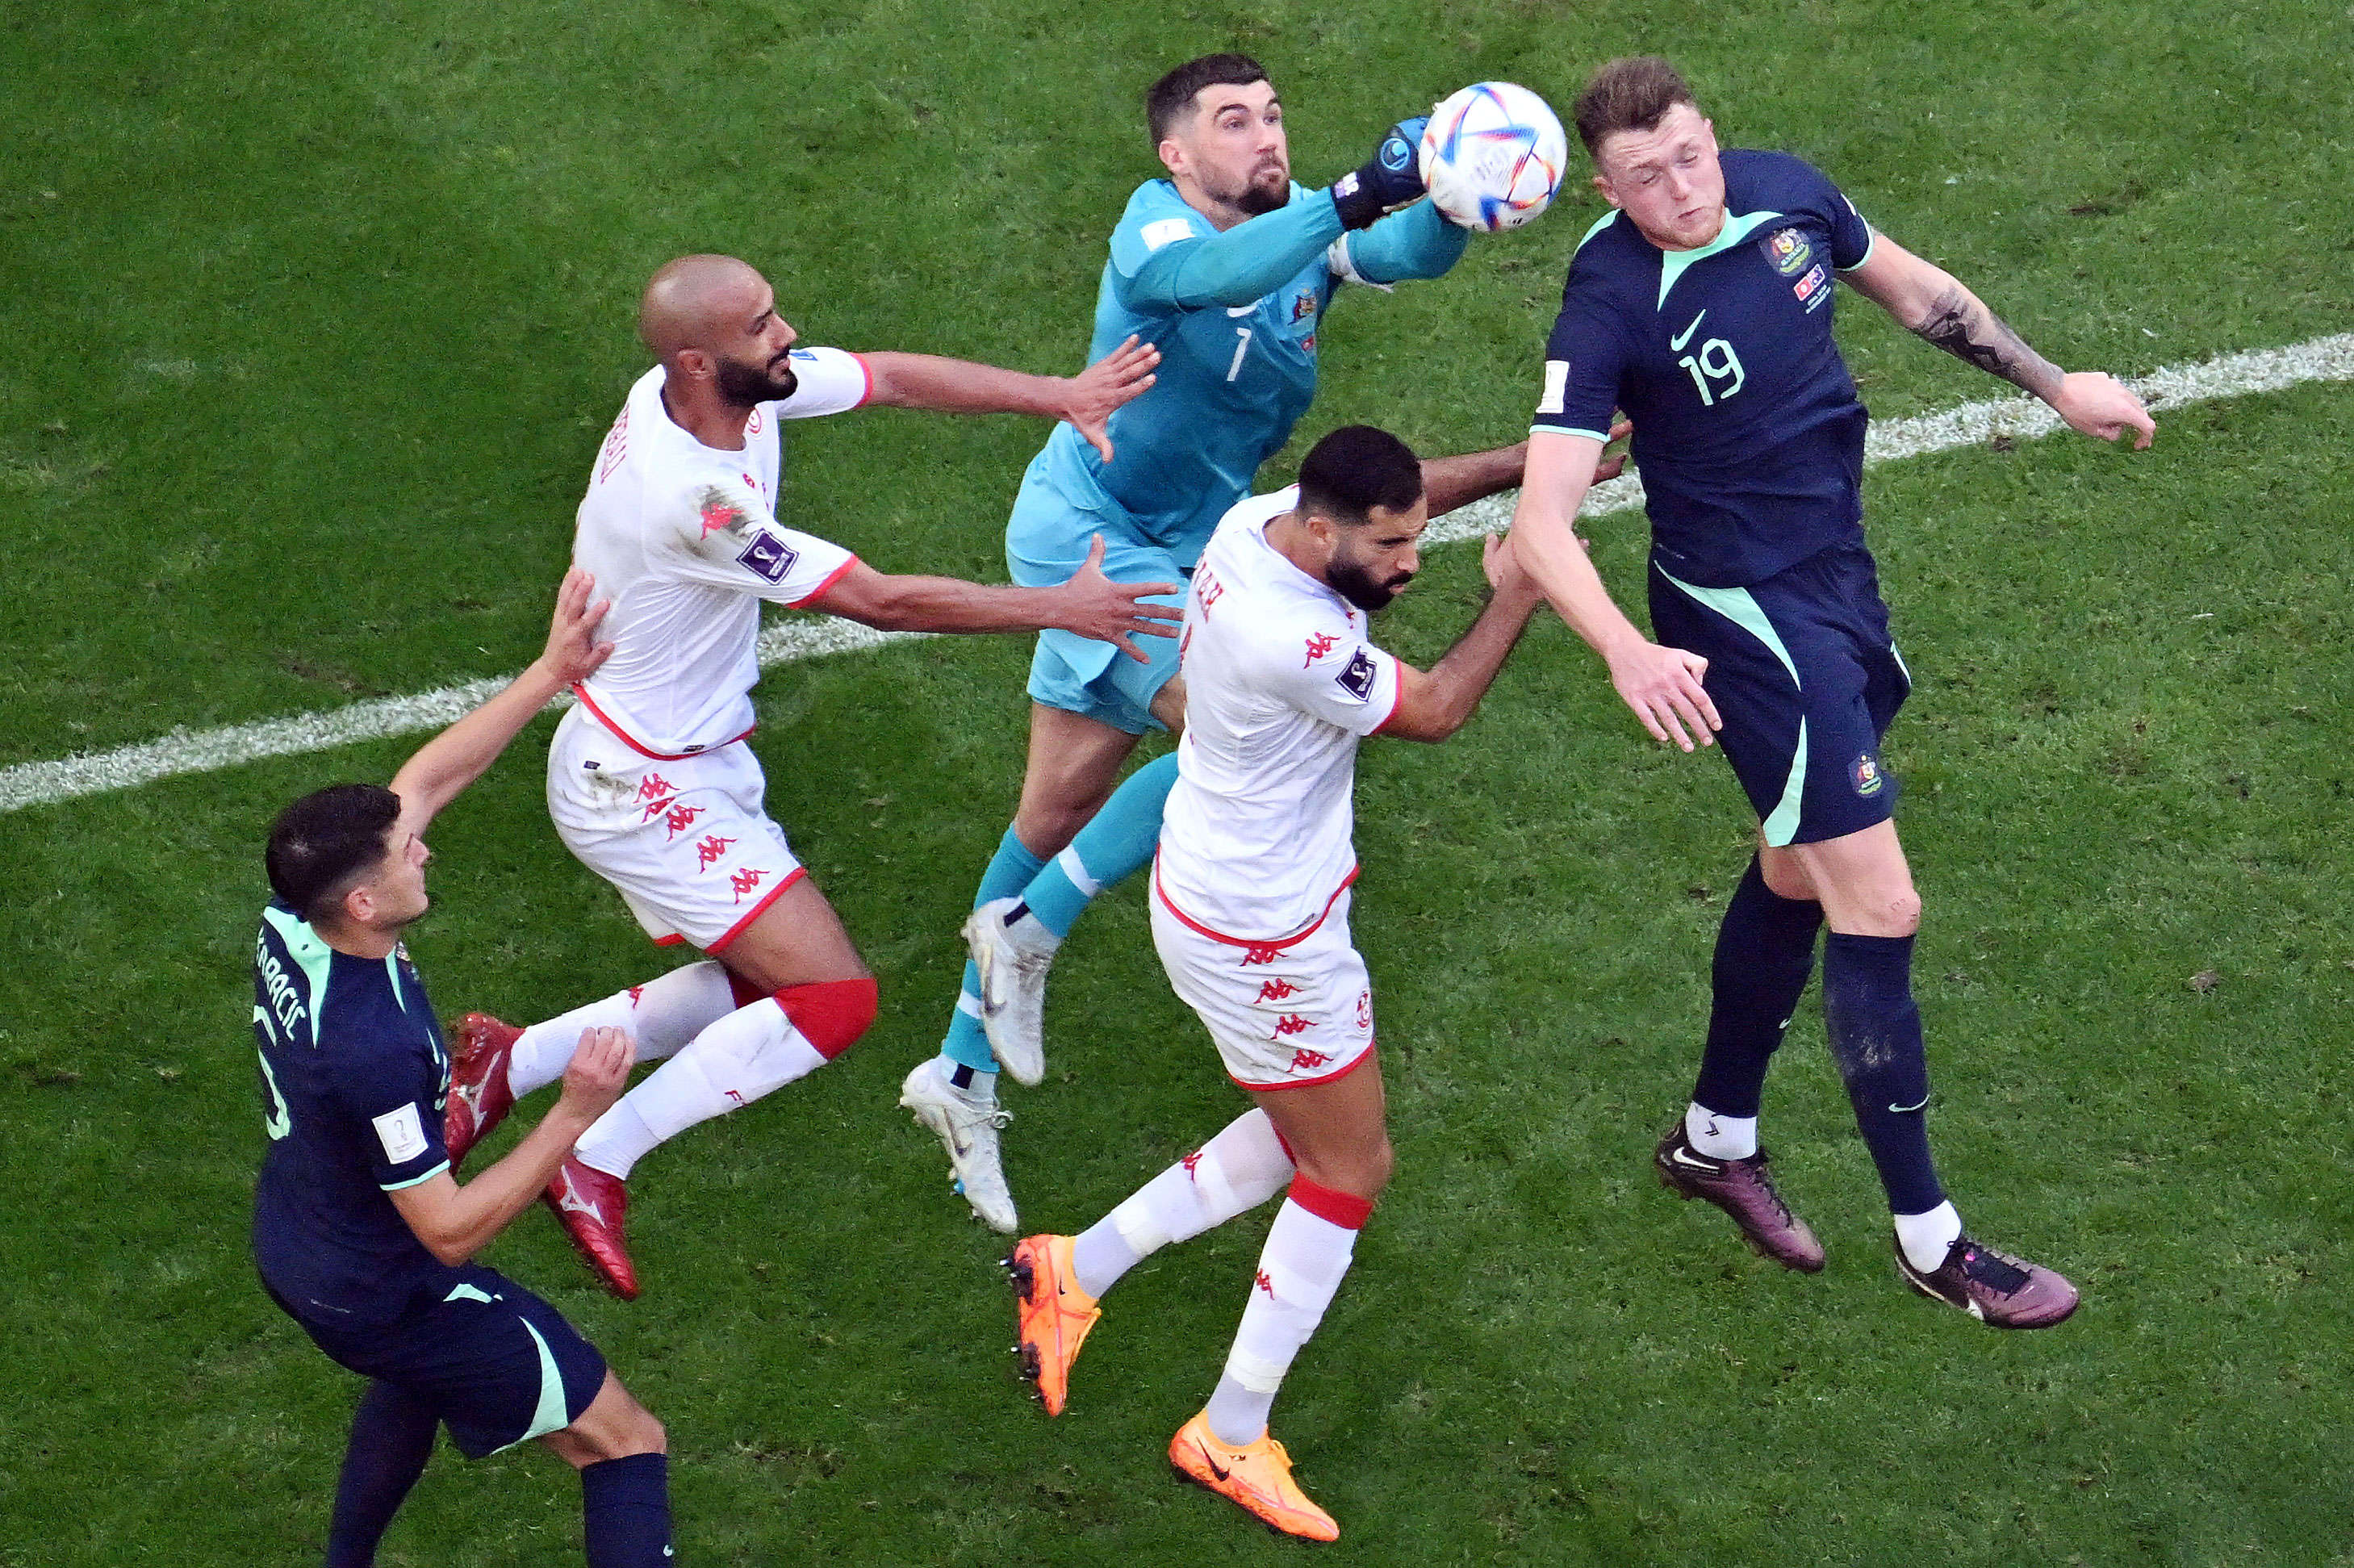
[
  {"x": 1308, "y": 1060},
  {"x": 709, "y": 853},
  {"x": 681, "y": 817},
  {"x": 746, "y": 881},
  {"x": 654, "y": 784},
  {"x": 1277, "y": 989},
  {"x": 1867, "y": 776},
  {"x": 1319, "y": 644},
  {"x": 719, "y": 513},
  {"x": 1190, "y": 1161},
  {"x": 768, "y": 556},
  {"x": 635, "y": 992},
  {"x": 1788, "y": 249},
  {"x": 1211, "y": 589},
  {"x": 1257, "y": 953},
  {"x": 1292, "y": 1023},
  {"x": 1262, "y": 1283}
]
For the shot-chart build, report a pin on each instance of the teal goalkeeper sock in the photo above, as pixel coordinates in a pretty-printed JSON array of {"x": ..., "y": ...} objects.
[
  {"x": 1117, "y": 842},
  {"x": 1010, "y": 869}
]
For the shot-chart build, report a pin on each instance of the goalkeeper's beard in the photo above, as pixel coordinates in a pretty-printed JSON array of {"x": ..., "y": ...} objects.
[{"x": 1264, "y": 194}]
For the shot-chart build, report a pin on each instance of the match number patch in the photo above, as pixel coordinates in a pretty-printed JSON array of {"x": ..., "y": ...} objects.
[
  {"x": 1556, "y": 386},
  {"x": 401, "y": 1132},
  {"x": 1165, "y": 231},
  {"x": 1357, "y": 679},
  {"x": 768, "y": 556}
]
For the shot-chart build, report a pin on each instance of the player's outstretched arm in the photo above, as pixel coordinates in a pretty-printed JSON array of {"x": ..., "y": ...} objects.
[
  {"x": 1090, "y": 604},
  {"x": 1931, "y": 303},
  {"x": 1661, "y": 684},
  {"x": 1449, "y": 482},
  {"x": 445, "y": 765},
  {"x": 963, "y": 387},
  {"x": 1434, "y": 703},
  {"x": 455, "y": 1222}
]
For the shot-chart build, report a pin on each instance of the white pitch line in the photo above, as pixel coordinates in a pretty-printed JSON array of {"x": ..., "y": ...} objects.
[{"x": 2021, "y": 419}]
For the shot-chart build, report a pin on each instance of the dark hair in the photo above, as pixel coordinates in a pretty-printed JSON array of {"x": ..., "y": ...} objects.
[
  {"x": 1172, "y": 95},
  {"x": 1630, "y": 94},
  {"x": 328, "y": 840},
  {"x": 1356, "y": 469}
]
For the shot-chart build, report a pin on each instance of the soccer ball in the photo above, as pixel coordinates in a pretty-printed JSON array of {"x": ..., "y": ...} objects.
[{"x": 1493, "y": 156}]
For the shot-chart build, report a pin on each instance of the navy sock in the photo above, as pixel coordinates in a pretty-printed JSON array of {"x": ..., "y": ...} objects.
[
  {"x": 1764, "y": 952},
  {"x": 392, "y": 1436},
  {"x": 625, "y": 1511},
  {"x": 1876, "y": 1031}
]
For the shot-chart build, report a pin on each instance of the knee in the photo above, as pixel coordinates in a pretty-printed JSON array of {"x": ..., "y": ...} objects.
[
  {"x": 1359, "y": 1174},
  {"x": 832, "y": 1014},
  {"x": 1902, "y": 912},
  {"x": 641, "y": 1433}
]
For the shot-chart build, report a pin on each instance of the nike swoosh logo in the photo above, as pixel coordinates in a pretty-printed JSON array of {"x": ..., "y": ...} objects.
[
  {"x": 1693, "y": 1161},
  {"x": 1677, "y": 344},
  {"x": 1216, "y": 1469},
  {"x": 1902, "y": 1110}
]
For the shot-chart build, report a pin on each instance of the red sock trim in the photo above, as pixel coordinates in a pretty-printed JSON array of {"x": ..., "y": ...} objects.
[
  {"x": 1283, "y": 1143},
  {"x": 830, "y": 1014},
  {"x": 1343, "y": 1209},
  {"x": 744, "y": 992}
]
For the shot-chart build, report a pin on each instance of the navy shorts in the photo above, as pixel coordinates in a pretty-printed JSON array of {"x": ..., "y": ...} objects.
[
  {"x": 496, "y": 1364},
  {"x": 1807, "y": 680}
]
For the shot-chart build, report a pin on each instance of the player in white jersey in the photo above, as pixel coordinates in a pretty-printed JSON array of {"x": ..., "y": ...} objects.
[
  {"x": 1250, "y": 913},
  {"x": 649, "y": 780}
]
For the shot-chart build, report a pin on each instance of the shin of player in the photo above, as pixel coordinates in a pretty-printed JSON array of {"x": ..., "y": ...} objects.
[
  {"x": 1702, "y": 308},
  {"x": 361, "y": 1233},
  {"x": 1250, "y": 914},
  {"x": 1231, "y": 268}
]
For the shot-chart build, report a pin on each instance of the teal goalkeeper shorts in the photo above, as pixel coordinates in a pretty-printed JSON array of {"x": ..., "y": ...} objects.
[{"x": 1045, "y": 543}]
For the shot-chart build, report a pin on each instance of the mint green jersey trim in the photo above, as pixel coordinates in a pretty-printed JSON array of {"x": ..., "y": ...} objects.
[
  {"x": 413, "y": 1180},
  {"x": 1737, "y": 228},
  {"x": 1564, "y": 431},
  {"x": 1870, "y": 246},
  {"x": 1901, "y": 667},
  {"x": 1598, "y": 225},
  {"x": 464, "y": 1292},
  {"x": 1738, "y": 606},
  {"x": 392, "y": 973},
  {"x": 549, "y": 1416},
  {"x": 314, "y": 957},
  {"x": 276, "y": 1122}
]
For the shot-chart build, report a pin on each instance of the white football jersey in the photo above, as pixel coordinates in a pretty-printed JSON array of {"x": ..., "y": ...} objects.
[
  {"x": 1280, "y": 684},
  {"x": 684, "y": 539}
]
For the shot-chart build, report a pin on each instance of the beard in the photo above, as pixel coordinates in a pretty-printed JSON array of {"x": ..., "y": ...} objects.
[
  {"x": 1361, "y": 587},
  {"x": 744, "y": 384},
  {"x": 1269, "y": 191}
]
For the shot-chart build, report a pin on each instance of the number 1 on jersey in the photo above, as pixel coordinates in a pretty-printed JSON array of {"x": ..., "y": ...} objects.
[
  {"x": 1716, "y": 359},
  {"x": 1242, "y": 346}
]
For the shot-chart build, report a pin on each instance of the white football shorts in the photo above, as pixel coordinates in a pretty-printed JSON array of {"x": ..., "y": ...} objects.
[
  {"x": 686, "y": 841},
  {"x": 1283, "y": 1014}
]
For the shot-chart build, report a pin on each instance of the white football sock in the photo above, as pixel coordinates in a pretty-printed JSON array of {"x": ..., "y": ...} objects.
[
  {"x": 1926, "y": 1238},
  {"x": 1298, "y": 1273},
  {"x": 1240, "y": 1169},
  {"x": 665, "y": 1013},
  {"x": 751, "y": 1052},
  {"x": 1720, "y": 1137}
]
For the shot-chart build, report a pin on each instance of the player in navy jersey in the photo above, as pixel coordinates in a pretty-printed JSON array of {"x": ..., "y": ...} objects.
[
  {"x": 1702, "y": 307},
  {"x": 360, "y": 1232},
  {"x": 1229, "y": 267}
]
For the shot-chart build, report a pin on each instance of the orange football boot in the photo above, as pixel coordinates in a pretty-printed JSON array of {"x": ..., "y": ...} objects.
[
  {"x": 1256, "y": 1479},
  {"x": 1052, "y": 1315}
]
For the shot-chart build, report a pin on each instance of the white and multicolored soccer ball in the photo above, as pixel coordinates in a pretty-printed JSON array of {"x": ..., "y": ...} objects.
[{"x": 1493, "y": 157}]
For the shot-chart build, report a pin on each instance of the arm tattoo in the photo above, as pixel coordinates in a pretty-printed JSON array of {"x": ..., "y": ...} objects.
[{"x": 1958, "y": 324}]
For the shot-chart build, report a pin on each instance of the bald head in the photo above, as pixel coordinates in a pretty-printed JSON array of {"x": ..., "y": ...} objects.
[
  {"x": 698, "y": 301},
  {"x": 712, "y": 321}
]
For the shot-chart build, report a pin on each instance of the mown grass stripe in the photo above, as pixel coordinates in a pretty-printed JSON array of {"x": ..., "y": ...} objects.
[{"x": 184, "y": 751}]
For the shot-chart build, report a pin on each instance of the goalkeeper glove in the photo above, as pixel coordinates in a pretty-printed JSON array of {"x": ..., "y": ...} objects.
[{"x": 1391, "y": 178}]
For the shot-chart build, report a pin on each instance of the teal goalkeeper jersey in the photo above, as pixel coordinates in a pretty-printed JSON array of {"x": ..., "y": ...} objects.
[{"x": 1236, "y": 316}]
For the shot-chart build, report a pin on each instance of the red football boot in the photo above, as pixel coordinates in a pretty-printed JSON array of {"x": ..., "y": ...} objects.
[
  {"x": 590, "y": 1205},
  {"x": 479, "y": 1097}
]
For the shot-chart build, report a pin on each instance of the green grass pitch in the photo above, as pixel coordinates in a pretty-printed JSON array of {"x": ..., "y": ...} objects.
[{"x": 315, "y": 314}]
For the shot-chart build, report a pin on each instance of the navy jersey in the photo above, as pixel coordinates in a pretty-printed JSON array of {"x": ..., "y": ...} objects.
[
  {"x": 353, "y": 1080},
  {"x": 1748, "y": 432}
]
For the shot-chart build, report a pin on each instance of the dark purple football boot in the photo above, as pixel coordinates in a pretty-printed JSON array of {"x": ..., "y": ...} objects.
[
  {"x": 1742, "y": 1188},
  {"x": 1995, "y": 1288}
]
